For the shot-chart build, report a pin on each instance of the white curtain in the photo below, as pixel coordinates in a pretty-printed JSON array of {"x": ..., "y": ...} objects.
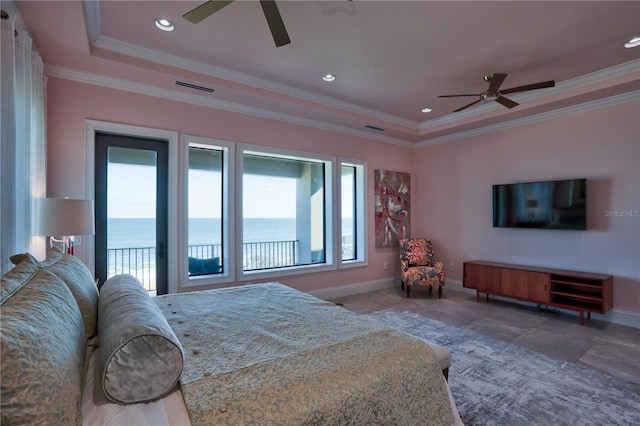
[{"x": 23, "y": 150}]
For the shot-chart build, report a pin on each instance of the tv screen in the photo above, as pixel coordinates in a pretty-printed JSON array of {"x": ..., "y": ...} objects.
[{"x": 559, "y": 204}]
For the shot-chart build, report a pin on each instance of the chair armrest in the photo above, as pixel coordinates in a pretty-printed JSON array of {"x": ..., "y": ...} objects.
[
  {"x": 404, "y": 265},
  {"x": 439, "y": 266}
]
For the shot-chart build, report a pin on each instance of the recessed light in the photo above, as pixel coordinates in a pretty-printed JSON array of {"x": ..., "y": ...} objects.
[
  {"x": 426, "y": 110},
  {"x": 634, "y": 42},
  {"x": 329, "y": 77},
  {"x": 164, "y": 24}
]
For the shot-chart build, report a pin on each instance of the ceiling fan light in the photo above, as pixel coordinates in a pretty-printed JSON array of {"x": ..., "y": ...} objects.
[
  {"x": 634, "y": 42},
  {"x": 329, "y": 77},
  {"x": 164, "y": 24},
  {"x": 489, "y": 97},
  {"x": 426, "y": 110}
]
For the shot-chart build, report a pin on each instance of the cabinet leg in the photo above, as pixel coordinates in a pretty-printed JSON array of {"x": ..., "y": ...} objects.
[
  {"x": 477, "y": 296},
  {"x": 589, "y": 315},
  {"x": 581, "y": 318}
]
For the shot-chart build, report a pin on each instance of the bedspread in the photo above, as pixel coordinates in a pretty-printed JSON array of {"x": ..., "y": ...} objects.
[{"x": 268, "y": 354}]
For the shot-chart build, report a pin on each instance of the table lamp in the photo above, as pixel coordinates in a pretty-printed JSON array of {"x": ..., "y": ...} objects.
[{"x": 64, "y": 218}]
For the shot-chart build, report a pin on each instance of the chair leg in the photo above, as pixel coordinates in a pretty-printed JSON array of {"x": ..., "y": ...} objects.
[
  {"x": 440, "y": 292},
  {"x": 430, "y": 288},
  {"x": 401, "y": 284},
  {"x": 408, "y": 290}
]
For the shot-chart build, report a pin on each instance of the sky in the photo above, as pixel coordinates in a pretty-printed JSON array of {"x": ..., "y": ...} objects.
[{"x": 131, "y": 194}]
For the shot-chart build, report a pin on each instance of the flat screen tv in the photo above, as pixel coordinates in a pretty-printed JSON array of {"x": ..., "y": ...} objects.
[{"x": 558, "y": 204}]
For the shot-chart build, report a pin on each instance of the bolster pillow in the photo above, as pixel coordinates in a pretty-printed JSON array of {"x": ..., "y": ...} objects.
[{"x": 141, "y": 358}]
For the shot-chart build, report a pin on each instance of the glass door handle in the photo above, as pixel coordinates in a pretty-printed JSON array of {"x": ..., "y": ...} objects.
[{"x": 160, "y": 251}]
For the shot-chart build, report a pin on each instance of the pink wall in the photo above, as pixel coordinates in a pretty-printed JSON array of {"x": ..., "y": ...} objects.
[
  {"x": 451, "y": 183},
  {"x": 453, "y": 198},
  {"x": 70, "y": 103}
]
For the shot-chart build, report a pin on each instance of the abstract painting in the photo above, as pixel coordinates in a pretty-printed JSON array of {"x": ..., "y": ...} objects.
[{"x": 392, "y": 207}]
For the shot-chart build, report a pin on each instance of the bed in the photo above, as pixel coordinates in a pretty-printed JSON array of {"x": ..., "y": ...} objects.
[{"x": 254, "y": 354}]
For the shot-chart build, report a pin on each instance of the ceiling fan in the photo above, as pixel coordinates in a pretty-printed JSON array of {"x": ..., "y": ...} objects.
[
  {"x": 269, "y": 8},
  {"x": 493, "y": 93}
]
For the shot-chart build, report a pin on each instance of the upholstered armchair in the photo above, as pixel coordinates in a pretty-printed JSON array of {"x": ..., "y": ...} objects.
[{"x": 417, "y": 266}]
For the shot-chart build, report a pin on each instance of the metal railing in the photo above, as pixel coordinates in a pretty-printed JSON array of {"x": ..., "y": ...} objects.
[
  {"x": 137, "y": 261},
  {"x": 269, "y": 254},
  {"x": 140, "y": 261}
]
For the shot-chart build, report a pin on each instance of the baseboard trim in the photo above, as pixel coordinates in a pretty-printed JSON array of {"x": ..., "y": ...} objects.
[
  {"x": 622, "y": 317},
  {"x": 456, "y": 285},
  {"x": 351, "y": 289},
  {"x": 616, "y": 316}
]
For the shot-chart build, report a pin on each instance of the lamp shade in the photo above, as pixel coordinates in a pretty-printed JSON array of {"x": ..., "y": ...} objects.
[{"x": 64, "y": 217}]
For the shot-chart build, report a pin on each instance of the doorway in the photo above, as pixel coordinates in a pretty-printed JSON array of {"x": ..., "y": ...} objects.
[{"x": 131, "y": 204}]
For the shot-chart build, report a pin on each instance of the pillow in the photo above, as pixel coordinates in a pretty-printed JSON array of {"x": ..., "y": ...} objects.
[
  {"x": 80, "y": 281},
  {"x": 141, "y": 358},
  {"x": 204, "y": 266},
  {"x": 43, "y": 348}
]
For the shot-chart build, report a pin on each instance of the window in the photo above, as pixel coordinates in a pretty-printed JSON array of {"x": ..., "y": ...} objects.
[
  {"x": 284, "y": 211},
  {"x": 352, "y": 212},
  {"x": 208, "y": 242},
  {"x": 349, "y": 212},
  {"x": 205, "y": 211},
  {"x": 253, "y": 212}
]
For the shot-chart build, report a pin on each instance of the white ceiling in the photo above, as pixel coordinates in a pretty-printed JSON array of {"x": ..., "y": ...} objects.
[{"x": 391, "y": 58}]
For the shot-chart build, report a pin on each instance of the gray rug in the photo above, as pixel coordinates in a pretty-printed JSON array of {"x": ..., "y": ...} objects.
[{"x": 498, "y": 383}]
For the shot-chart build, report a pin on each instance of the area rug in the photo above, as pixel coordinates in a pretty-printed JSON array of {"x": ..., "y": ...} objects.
[{"x": 498, "y": 383}]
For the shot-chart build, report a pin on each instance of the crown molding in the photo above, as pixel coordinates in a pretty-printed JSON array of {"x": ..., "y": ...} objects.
[
  {"x": 178, "y": 96},
  {"x": 121, "y": 47},
  {"x": 91, "y": 12},
  {"x": 561, "y": 112},
  {"x": 564, "y": 86}
]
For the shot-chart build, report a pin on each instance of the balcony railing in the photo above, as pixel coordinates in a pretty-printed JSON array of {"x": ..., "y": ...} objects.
[{"x": 140, "y": 261}]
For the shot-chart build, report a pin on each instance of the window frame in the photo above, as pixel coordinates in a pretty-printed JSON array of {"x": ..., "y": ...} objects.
[
  {"x": 361, "y": 216},
  {"x": 232, "y": 221},
  {"x": 228, "y": 212},
  {"x": 329, "y": 215}
]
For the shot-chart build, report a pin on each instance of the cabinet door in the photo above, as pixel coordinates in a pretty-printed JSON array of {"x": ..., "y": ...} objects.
[
  {"x": 483, "y": 278},
  {"x": 525, "y": 285},
  {"x": 539, "y": 288}
]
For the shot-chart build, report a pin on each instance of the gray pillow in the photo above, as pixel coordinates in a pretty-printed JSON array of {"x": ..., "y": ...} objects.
[
  {"x": 77, "y": 277},
  {"x": 43, "y": 348},
  {"x": 141, "y": 358}
]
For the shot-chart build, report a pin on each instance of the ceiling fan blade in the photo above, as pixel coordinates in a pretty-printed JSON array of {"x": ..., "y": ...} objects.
[
  {"x": 205, "y": 10},
  {"x": 541, "y": 85},
  {"x": 496, "y": 81},
  {"x": 276, "y": 25},
  {"x": 467, "y": 106},
  {"x": 506, "y": 102},
  {"x": 456, "y": 96}
]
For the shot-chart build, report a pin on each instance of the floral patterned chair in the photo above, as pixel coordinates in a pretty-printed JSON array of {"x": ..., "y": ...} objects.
[{"x": 417, "y": 266}]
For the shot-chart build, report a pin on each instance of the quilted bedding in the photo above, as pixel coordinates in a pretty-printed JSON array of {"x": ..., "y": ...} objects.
[{"x": 268, "y": 354}]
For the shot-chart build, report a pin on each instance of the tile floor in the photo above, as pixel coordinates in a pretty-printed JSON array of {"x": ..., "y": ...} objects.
[{"x": 609, "y": 347}]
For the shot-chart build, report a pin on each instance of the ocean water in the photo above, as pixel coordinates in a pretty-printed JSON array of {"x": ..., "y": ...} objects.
[{"x": 127, "y": 233}]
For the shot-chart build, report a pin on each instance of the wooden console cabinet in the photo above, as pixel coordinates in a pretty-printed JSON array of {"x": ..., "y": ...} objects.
[{"x": 576, "y": 291}]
